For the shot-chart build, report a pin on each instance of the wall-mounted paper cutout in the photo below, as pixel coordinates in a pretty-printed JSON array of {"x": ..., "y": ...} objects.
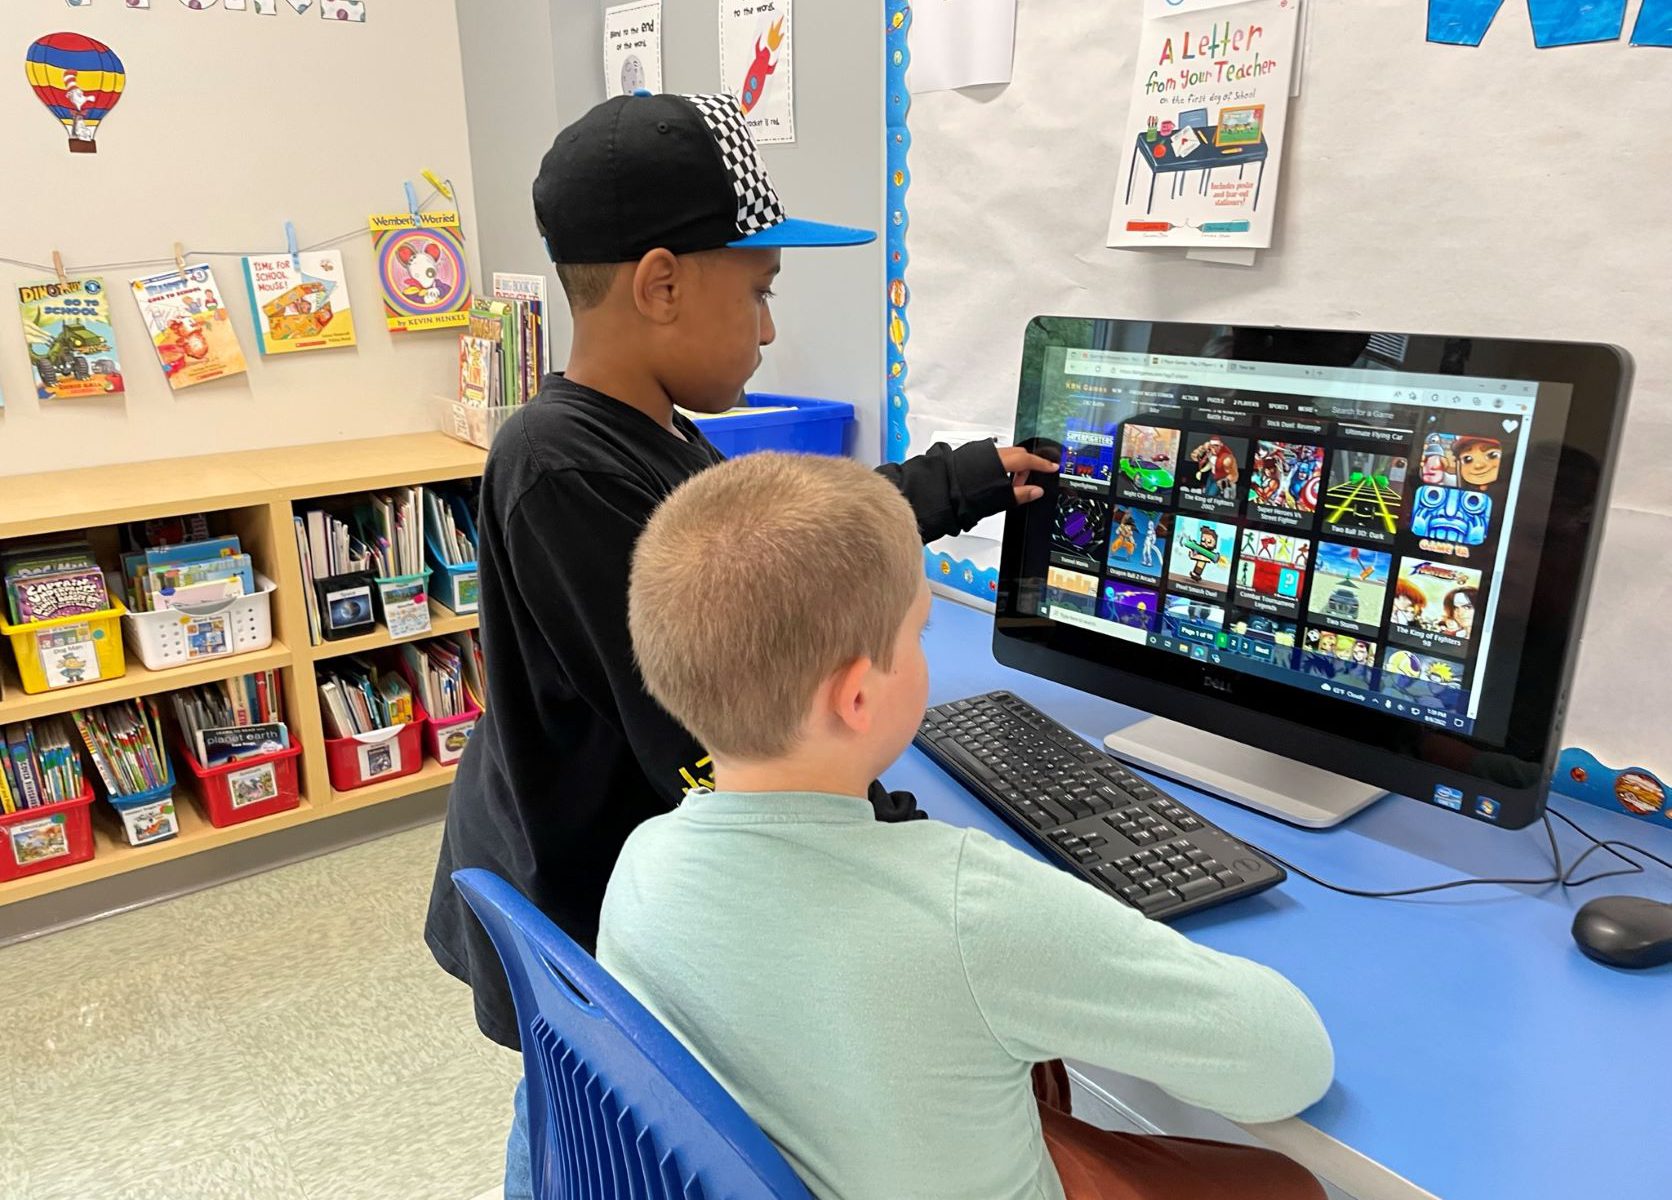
[
  {"x": 633, "y": 48},
  {"x": 961, "y": 45},
  {"x": 1460, "y": 22},
  {"x": 757, "y": 66},
  {"x": 79, "y": 81},
  {"x": 1654, "y": 24},
  {"x": 343, "y": 10},
  {"x": 1576, "y": 22}
]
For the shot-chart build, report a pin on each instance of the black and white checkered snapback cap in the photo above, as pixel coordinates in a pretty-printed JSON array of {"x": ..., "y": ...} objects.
[{"x": 681, "y": 173}]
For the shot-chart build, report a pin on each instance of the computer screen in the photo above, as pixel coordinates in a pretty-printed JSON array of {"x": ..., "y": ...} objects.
[{"x": 1344, "y": 533}]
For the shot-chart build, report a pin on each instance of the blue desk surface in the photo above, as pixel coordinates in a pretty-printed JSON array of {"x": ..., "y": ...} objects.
[{"x": 1478, "y": 1053}]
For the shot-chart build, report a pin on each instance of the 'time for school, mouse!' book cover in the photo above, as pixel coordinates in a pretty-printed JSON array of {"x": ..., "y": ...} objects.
[
  {"x": 299, "y": 304},
  {"x": 187, "y": 319},
  {"x": 421, "y": 267},
  {"x": 72, "y": 348}
]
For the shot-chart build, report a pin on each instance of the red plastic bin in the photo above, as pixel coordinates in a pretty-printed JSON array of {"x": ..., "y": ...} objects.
[
  {"x": 446, "y": 737},
  {"x": 33, "y": 840},
  {"x": 246, "y": 789},
  {"x": 366, "y": 758}
]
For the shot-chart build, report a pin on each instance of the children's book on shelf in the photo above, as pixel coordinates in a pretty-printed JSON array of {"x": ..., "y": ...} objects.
[
  {"x": 528, "y": 294},
  {"x": 196, "y": 572},
  {"x": 49, "y": 580},
  {"x": 125, "y": 742},
  {"x": 187, "y": 318},
  {"x": 478, "y": 370},
  {"x": 71, "y": 345},
  {"x": 233, "y": 719},
  {"x": 358, "y": 697},
  {"x": 39, "y": 765},
  {"x": 299, "y": 304},
  {"x": 422, "y": 270}
]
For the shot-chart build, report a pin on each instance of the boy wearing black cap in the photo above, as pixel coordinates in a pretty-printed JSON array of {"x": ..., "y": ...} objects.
[{"x": 666, "y": 233}]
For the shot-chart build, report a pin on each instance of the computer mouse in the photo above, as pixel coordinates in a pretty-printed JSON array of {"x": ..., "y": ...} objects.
[{"x": 1625, "y": 931}]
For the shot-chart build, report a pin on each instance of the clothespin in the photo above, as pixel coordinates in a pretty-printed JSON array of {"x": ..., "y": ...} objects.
[
  {"x": 444, "y": 187},
  {"x": 180, "y": 257},
  {"x": 58, "y": 266},
  {"x": 290, "y": 241},
  {"x": 412, "y": 203}
]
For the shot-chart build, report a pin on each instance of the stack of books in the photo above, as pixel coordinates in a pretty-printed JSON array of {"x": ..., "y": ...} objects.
[
  {"x": 356, "y": 697},
  {"x": 51, "y": 579},
  {"x": 446, "y": 533},
  {"x": 39, "y": 765},
  {"x": 503, "y": 354},
  {"x": 196, "y": 572},
  {"x": 232, "y": 720},
  {"x": 444, "y": 673},
  {"x": 381, "y": 536},
  {"x": 125, "y": 741}
]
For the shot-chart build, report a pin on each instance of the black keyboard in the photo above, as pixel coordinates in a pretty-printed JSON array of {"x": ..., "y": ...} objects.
[{"x": 1087, "y": 812}]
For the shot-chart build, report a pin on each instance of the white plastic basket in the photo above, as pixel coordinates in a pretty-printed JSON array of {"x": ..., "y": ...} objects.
[
  {"x": 473, "y": 424},
  {"x": 195, "y": 632}
]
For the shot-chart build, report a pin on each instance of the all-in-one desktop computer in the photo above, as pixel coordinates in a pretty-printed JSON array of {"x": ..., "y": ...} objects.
[{"x": 1331, "y": 565}]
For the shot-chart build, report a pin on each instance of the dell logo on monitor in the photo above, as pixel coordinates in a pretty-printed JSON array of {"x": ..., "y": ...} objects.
[{"x": 1217, "y": 684}]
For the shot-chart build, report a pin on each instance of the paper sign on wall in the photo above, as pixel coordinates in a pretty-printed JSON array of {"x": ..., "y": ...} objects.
[
  {"x": 756, "y": 66},
  {"x": 960, "y": 43},
  {"x": 1202, "y": 148},
  {"x": 633, "y": 48}
]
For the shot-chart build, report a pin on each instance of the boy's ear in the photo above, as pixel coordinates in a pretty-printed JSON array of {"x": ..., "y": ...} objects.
[
  {"x": 656, "y": 281},
  {"x": 845, "y": 695}
]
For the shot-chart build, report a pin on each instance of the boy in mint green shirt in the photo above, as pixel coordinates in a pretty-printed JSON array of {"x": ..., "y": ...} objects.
[{"x": 876, "y": 996}]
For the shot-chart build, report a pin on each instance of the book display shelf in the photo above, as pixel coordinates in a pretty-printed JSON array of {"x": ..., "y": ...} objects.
[{"x": 253, "y": 494}]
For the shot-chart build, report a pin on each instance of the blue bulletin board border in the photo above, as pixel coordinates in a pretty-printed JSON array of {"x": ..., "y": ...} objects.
[{"x": 961, "y": 575}]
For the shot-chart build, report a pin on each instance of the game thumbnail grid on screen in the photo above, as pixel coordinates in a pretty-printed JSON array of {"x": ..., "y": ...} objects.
[{"x": 1343, "y": 546}]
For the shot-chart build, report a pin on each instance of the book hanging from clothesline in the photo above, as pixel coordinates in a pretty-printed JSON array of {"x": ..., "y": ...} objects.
[
  {"x": 71, "y": 345},
  {"x": 185, "y": 313},
  {"x": 1201, "y": 151},
  {"x": 421, "y": 267},
  {"x": 299, "y": 303}
]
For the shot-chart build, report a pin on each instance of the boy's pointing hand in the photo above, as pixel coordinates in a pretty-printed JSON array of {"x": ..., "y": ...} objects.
[{"x": 1021, "y": 464}]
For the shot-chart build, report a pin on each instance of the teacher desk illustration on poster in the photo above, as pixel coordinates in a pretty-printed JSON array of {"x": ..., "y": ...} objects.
[{"x": 1236, "y": 141}]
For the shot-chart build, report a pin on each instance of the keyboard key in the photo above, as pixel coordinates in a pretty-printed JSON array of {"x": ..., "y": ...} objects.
[
  {"x": 1197, "y": 855},
  {"x": 1189, "y": 824},
  {"x": 1091, "y": 839},
  {"x": 1172, "y": 878},
  {"x": 1190, "y": 873},
  {"x": 1193, "y": 889},
  {"x": 1154, "y": 901},
  {"x": 1130, "y": 893},
  {"x": 1147, "y": 856},
  {"x": 1109, "y": 875},
  {"x": 1228, "y": 878}
]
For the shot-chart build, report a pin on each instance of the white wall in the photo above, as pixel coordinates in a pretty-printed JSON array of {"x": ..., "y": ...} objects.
[
  {"x": 830, "y": 309},
  {"x": 231, "y": 124},
  {"x": 1426, "y": 189}
]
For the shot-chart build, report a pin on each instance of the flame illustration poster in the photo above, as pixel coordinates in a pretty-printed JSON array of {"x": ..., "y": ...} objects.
[
  {"x": 1202, "y": 148},
  {"x": 756, "y": 60}
]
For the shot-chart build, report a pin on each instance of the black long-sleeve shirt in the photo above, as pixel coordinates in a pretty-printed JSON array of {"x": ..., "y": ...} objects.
[{"x": 573, "y": 753}]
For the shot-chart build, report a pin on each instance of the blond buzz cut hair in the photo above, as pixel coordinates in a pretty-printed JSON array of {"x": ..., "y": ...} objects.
[{"x": 757, "y": 580}]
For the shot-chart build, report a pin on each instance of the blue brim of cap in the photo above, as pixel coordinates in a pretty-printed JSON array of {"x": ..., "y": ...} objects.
[{"x": 793, "y": 232}]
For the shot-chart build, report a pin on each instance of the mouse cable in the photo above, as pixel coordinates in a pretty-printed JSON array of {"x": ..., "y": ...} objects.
[{"x": 1564, "y": 875}]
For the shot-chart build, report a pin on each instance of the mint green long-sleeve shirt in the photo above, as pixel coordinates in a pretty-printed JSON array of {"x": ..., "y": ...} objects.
[{"x": 876, "y": 995}]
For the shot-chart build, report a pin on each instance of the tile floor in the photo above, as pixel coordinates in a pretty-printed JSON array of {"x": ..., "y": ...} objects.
[{"x": 283, "y": 1037}]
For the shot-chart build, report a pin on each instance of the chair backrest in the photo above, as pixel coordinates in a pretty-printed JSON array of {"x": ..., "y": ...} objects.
[{"x": 618, "y": 1109}]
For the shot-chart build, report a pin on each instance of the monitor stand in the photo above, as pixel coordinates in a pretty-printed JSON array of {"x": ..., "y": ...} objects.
[{"x": 1257, "y": 779}]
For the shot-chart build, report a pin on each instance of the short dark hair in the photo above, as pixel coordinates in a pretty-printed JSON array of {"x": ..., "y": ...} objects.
[{"x": 586, "y": 284}]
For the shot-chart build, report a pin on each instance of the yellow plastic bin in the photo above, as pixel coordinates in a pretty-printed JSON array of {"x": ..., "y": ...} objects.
[{"x": 66, "y": 651}]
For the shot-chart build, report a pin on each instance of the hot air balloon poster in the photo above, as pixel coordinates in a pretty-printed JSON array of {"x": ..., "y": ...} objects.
[
  {"x": 756, "y": 64},
  {"x": 186, "y": 316},
  {"x": 79, "y": 81}
]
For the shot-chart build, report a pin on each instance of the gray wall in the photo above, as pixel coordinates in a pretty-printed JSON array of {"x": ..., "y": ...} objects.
[{"x": 531, "y": 66}]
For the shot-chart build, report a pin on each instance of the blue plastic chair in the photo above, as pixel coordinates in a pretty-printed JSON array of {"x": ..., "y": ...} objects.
[{"x": 618, "y": 1109}]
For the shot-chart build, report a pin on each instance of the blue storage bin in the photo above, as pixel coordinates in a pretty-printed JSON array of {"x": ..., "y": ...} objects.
[
  {"x": 149, "y": 816},
  {"x": 457, "y": 586},
  {"x": 815, "y": 427}
]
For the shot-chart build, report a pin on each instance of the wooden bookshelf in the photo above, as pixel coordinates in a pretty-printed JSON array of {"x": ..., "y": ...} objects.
[{"x": 256, "y": 493}]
